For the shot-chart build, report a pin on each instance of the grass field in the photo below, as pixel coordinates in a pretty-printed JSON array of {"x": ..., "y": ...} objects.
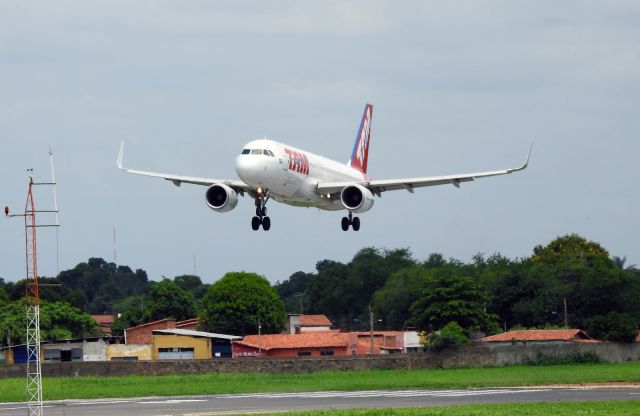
[
  {"x": 621, "y": 408},
  {"x": 12, "y": 390}
]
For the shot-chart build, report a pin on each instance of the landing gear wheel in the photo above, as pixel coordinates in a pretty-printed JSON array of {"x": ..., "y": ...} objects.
[
  {"x": 266, "y": 223},
  {"x": 345, "y": 224},
  {"x": 355, "y": 224},
  {"x": 261, "y": 218},
  {"x": 255, "y": 223}
]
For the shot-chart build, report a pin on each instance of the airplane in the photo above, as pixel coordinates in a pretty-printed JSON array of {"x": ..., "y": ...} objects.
[{"x": 271, "y": 170}]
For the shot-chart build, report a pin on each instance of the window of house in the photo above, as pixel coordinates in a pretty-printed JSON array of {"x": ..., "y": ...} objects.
[
  {"x": 304, "y": 353},
  {"x": 325, "y": 353}
]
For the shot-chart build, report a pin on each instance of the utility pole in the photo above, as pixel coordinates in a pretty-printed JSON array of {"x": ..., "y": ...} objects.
[
  {"x": 566, "y": 322},
  {"x": 371, "y": 329},
  {"x": 32, "y": 293},
  {"x": 259, "y": 338}
]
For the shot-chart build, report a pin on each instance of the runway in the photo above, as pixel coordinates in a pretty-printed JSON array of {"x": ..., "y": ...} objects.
[{"x": 273, "y": 402}]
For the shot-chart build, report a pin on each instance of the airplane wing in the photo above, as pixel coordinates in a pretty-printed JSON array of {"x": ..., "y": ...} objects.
[
  {"x": 408, "y": 184},
  {"x": 177, "y": 180}
]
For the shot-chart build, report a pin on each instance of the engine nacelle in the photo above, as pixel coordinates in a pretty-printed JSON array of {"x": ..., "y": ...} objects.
[
  {"x": 356, "y": 198},
  {"x": 221, "y": 198}
]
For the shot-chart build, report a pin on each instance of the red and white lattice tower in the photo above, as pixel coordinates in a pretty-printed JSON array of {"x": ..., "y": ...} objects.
[
  {"x": 34, "y": 374},
  {"x": 32, "y": 295}
]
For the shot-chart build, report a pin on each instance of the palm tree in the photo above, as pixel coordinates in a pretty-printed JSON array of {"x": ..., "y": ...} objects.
[{"x": 619, "y": 262}]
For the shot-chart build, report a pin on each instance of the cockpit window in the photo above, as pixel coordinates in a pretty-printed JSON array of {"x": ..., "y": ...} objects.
[
  {"x": 256, "y": 151},
  {"x": 265, "y": 152},
  {"x": 271, "y": 153},
  {"x": 246, "y": 151}
]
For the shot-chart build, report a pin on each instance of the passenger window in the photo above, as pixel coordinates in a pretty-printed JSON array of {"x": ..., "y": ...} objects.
[
  {"x": 246, "y": 151},
  {"x": 256, "y": 151}
]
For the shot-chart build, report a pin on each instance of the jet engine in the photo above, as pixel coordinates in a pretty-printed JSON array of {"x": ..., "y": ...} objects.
[
  {"x": 356, "y": 198},
  {"x": 221, "y": 198}
]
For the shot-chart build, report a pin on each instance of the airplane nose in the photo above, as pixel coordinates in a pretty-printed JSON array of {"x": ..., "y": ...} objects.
[{"x": 245, "y": 168}]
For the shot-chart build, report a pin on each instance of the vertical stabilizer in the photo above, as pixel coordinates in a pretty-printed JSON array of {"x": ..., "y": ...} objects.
[{"x": 360, "y": 154}]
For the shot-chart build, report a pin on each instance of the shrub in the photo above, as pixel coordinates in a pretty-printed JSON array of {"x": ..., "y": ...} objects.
[{"x": 450, "y": 336}]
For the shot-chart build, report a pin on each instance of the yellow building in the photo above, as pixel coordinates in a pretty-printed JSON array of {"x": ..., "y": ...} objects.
[
  {"x": 181, "y": 344},
  {"x": 126, "y": 352}
]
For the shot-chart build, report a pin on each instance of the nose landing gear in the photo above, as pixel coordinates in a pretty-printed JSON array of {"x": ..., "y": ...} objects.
[
  {"x": 350, "y": 221},
  {"x": 261, "y": 213}
]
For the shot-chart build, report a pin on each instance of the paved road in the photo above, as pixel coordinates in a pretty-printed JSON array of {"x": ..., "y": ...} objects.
[{"x": 261, "y": 402}]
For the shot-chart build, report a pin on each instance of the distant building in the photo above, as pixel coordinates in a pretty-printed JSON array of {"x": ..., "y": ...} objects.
[
  {"x": 297, "y": 323},
  {"x": 320, "y": 343},
  {"x": 142, "y": 334},
  {"x": 184, "y": 344},
  {"x": 540, "y": 336},
  {"x": 104, "y": 322}
]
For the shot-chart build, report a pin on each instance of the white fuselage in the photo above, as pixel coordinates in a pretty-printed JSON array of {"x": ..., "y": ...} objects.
[{"x": 291, "y": 175}]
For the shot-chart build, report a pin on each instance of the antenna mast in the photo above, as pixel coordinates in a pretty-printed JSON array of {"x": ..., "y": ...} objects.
[{"x": 32, "y": 295}]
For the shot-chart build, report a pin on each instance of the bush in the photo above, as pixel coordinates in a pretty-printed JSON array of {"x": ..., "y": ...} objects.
[
  {"x": 450, "y": 336},
  {"x": 614, "y": 326}
]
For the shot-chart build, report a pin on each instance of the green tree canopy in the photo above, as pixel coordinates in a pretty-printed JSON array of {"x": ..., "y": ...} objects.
[
  {"x": 104, "y": 284},
  {"x": 452, "y": 297},
  {"x": 168, "y": 300},
  {"x": 192, "y": 284},
  {"x": 58, "y": 320},
  {"x": 393, "y": 302},
  {"x": 234, "y": 305},
  {"x": 614, "y": 326}
]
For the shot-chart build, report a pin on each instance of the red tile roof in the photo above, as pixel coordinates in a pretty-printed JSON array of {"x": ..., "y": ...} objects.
[
  {"x": 540, "y": 335},
  {"x": 104, "y": 319},
  {"x": 314, "y": 320},
  {"x": 302, "y": 340}
]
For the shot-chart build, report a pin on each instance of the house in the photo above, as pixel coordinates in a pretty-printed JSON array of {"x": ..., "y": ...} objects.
[
  {"x": 104, "y": 322},
  {"x": 142, "y": 334},
  {"x": 184, "y": 344},
  {"x": 539, "y": 336},
  {"x": 297, "y": 323},
  {"x": 319, "y": 343},
  {"x": 130, "y": 352}
]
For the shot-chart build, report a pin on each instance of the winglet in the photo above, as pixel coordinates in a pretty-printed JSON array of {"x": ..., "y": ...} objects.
[
  {"x": 526, "y": 162},
  {"x": 120, "y": 156}
]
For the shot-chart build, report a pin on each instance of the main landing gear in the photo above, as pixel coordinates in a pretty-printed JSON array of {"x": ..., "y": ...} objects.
[
  {"x": 350, "y": 221},
  {"x": 261, "y": 213}
]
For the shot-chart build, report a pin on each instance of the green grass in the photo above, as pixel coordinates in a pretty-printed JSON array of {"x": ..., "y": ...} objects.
[
  {"x": 618, "y": 408},
  {"x": 12, "y": 390}
]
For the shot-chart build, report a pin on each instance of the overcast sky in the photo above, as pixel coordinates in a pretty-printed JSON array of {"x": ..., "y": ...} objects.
[{"x": 457, "y": 87}]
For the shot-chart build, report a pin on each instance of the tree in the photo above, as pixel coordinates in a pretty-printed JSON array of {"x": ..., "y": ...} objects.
[
  {"x": 401, "y": 290},
  {"x": 344, "y": 292},
  {"x": 237, "y": 302},
  {"x": 104, "y": 284},
  {"x": 614, "y": 326},
  {"x": 192, "y": 284},
  {"x": 582, "y": 272},
  {"x": 450, "y": 296},
  {"x": 168, "y": 300},
  {"x": 4, "y": 297},
  {"x": 133, "y": 311},
  {"x": 58, "y": 320},
  {"x": 293, "y": 291}
]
